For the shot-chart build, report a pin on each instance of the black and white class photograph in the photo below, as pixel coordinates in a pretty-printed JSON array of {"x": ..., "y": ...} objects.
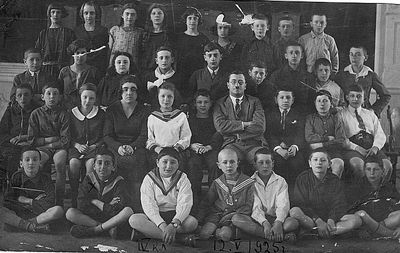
[{"x": 185, "y": 126}]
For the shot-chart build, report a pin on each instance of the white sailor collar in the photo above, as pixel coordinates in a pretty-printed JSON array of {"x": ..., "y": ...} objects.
[
  {"x": 82, "y": 117},
  {"x": 363, "y": 72}
]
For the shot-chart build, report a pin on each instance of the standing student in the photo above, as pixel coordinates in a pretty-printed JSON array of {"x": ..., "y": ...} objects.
[
  {"x": 95, "y": 34},
  {"x": 318, "y": 44},
  {"x": 126, "y": 37},
  {"x": 49, "y": 132},
  {"x": 53, "y": 41},
  {"x": 285, "y": 29},
  {"x": 87, "y": 121}
]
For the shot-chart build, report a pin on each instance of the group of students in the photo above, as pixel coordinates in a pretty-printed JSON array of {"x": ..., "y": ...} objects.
[{"x": 146, "y": 128}]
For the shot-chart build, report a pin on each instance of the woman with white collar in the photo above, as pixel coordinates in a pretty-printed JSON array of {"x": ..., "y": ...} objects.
[{"x": 86, "y": 128}]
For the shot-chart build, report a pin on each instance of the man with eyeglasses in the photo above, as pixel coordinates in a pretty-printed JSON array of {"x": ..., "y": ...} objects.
[
  {"x": 240, "y": 119},
  {"x": 364, "y": 134}
]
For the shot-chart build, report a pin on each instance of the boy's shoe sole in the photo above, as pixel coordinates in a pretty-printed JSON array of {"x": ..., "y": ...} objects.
[{"x": 44, "y": 229}]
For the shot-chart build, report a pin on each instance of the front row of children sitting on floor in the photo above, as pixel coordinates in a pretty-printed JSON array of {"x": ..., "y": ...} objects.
[{"x": 236, "y": 205}]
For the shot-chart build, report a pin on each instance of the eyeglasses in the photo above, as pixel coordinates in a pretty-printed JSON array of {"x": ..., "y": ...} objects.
[{"x": 234, "y": 82}]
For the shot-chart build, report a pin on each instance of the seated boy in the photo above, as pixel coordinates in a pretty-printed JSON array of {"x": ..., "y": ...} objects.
[
  {"x": 375, "y": 201},
  {"x": 102, "y": 200},
  {"x": 364, "y": 134},
  {"x": 167, "y": 199},
  {"x": 324, "y": 129},
  {"x": 14, "y": 126},
  {"x": 318, "y": 44},
  {"x": 30, "y": 203},
  {"x": 49, "y": 132},
  {"x": 271, "y": 202},
  {"x": 323, "y": 73},
  {"x": 319, "y": 201},
  {"x": 297, "y": 78},
  {"x": 212, "y": 77},
  {"x": 229, "y": 200},
  {"x": 259, "y": 47},
  {"x": 35, "y": 75},
  {"x": 285, "y": 135},
  {"x": 258, "y": 85}
]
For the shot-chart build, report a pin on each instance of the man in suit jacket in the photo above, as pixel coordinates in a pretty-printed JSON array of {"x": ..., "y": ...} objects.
[
  {"x": 240, "y": 119},
  {"x": 212, "y": 77},
  {"x": 285, "y": 135}
]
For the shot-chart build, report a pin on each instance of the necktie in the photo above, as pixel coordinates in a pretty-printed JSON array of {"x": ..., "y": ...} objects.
[
  {"x": 35, "y": 82},
  {"x": 283, "y": 119},
  {"x": 237, "y": 107},
  {"x": 361, "y": 124},
  {"x": 213, "y": 74}
]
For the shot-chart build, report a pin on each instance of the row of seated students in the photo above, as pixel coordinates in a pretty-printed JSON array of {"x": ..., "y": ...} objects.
[{"x": 236, "y": 206}]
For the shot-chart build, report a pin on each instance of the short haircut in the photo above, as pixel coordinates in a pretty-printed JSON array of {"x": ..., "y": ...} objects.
[
  {"x": 354, "y": 88},
  {"x": 323, "y": 93},
  {"x": 97, "y": 9},
  {"x": 57, "y": 6},
  {"x": 192, "y": 11},
  {"x": 263, "y": 151},
  {"x": 24, "y": 86},
  {"x": 202, "y": 92},
  {"x": 285, "y": 18},
  {"x": 167, "y": 86},
  {"x": 373, "y": 159},
  {"x": 235, "y": 72},
  {"x": 55, "y": 84},
  {"x": 165, "y": 48},
  {"x": 293, "y": 44},
  {"x": 260, "y": 16},
  {"x": 105, "y": 151},
  {"x": 364, "y": 49},
  {"x": 211, "y": 47},
  {"x": 88, "y": 86},
  {"x": 29, "y": 148},
  {"x": 317, "y": 13},
  {"x": 257, "y": 64},
  {"x": 32, "y": 50},
  {"x": 76, "y": 44},
  {"x": 125, "y": 7},
  {"x": 319, "y": 150},
  {"x": 170, "y": 151},
  {"x": 280, "y": 88},
  {"x": 323, "y": 62}
]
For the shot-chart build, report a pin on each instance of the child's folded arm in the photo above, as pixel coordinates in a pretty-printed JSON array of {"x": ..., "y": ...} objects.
[
  {"x": 300, "y": 201},
  {"x": 49, "y": 197},
  {"x": 223, "y": 124},
  {"x": 120, "y": 193},
  {"x": 258, "y": 120},
  {"x": 65, "y": 135},
  {"x": 185, "y": 199}
]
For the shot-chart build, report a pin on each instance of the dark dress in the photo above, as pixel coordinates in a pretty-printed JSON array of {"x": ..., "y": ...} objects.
[{"x": 108, "y": 89}]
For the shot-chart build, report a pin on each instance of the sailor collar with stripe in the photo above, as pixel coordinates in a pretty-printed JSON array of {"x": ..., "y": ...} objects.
[
  {"x": 104, "y": 187},
  {"x": 156, "y": 177},
  {"x": 363, "y": 73},
  {"x": 241, "y": 184},
  {"x": 166, "y": 116},
  {"x": 77, "y": 113}
]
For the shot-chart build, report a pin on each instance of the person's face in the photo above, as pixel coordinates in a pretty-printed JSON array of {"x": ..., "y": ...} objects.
[
  {"x": 257, "y": 74},
  {"x": 103, "y": 166},
  {"x": 157, "y": 16},
  {"x": 284, "y": 99},
  {"x": 167, "y": 166},
  {"x": 213, "y": 58},
  {"x": 319, "y": 164},
  {"x": 192, "y": 21},
  {"x": 33, "y": 61},
  {"x": 355, "y": 99},
  {"x": 357, "y": 56},
  {"x": 203, "y": 104},
  {"x": 318, "y": 24},
  {"x": 293, "y": 55},
  {"x": 237, "y": 85},
  {"x": 122, "y": 64},
  {"x": 260, "y": 28},
  {"x": 323, "y": 73},
  {"x": 129, "y": 16},
  {"x": 264, "y": 164},
  {"x": 129, "y": 93},
  {"x": 164, "y": 60},
  {"x": 51, "y": 97},
  {"x": 373, "y": 172},
  {"x": 286, "y": 28},
  {"x": 30, "y": 162},
  {"x": 166, "y": 98},
  {"x": 322, "y": 104},
  {"x": 23, "y": 97},
  {"x": 55, "y": 16},
  {"x": 80, "y": 59},
  {"x": 223, "y": 30},
  {"x": 228, "y": 162},
  {"x": 88, "y": 98},
  {"x": 89, "y": 14}
]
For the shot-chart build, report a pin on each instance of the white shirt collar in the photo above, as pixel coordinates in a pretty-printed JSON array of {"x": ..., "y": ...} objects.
[
  {"x": 364, "y": 71},
  {"x": 33, "y": 73},
  {"x": 211, "y": 71},
  {"x": 234, "y": 99},
  {"x": 82, "y": 117},
  {"x": 352, "y": 109},
  {"x": 281, "y": 110},
  {"x": 271, "y": 179}
]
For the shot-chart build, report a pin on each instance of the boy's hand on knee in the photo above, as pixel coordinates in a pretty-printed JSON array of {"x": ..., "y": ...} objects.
[
  {"x": 322, "y": 228},
  {"x": 169, "y": 234},
  {"x": 267, "y": 229},
  {"x": 277, "y": 231}
]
